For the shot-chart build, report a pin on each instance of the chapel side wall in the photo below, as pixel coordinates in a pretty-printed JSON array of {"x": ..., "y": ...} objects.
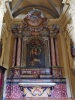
[
  {"x": 73, "y": 84},
  {"x": 11, "y": 49},
  {"x": 68, "y": 35},
  {"x": 60, "y": 50},
  {"x": 8, "y": 50},
  {"x": 6, "y": 57},
  {"x": 9, "y": 40},
  {"x": 65, "y": 63},
  {"x": 70, "y": 61}
]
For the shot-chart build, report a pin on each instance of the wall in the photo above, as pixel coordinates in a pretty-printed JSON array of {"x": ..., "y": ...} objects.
[
  {"x": 70, "y": 61},
  {"x": 7, "y": 41}
]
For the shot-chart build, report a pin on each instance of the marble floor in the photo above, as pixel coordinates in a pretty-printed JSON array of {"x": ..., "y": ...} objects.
[{"x": 41, "y": 98}]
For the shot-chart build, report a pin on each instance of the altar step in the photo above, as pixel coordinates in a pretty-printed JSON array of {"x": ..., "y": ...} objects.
[
  {"x": 34, "y": 80},
  {"x": 42, "y": 98}
]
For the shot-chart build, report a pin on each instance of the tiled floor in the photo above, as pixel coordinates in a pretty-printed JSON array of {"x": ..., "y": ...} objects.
[{"x": 40, "y": 99}]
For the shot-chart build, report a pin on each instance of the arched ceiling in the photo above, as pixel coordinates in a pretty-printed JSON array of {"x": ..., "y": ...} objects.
[{"x": 50, "y": 8}]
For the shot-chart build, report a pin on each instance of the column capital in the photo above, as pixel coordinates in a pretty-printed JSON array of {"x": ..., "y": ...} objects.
[
  {"x": 53, "y": 35},
  {"x": 45, "y": 38},
  {"x": 16, "y": 35},
  {"x": 25, "y": 38},
  {"x": 19, "y": 35},
  {"x": 71, "y": 31}
]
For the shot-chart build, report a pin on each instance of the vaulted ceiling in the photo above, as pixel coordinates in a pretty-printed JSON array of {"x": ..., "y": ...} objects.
[{"x": 50, "y": 8}]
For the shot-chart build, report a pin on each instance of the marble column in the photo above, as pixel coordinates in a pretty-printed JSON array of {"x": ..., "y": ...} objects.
[
  {"x": 53, "y": 61},
  {"x": 47, "y": 52},
  {"x": 14, "y": 53},
  {"x": 49, "y": 55},
  {"x": 56, "y": 50},
  {"x": 24, "y": 52},
  {"x": 19, "y": 52}
]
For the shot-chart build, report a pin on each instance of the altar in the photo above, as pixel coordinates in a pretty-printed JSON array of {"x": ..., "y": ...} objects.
[
  {"x": 35, "y": 69},
  {"x": 36, "y": 89}
]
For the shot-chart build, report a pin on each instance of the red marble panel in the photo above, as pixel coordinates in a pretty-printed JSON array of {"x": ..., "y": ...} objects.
[
  {"x": 14, "y": 53},
  {"x": 19, "y": 51},
  {"x": 53, "y": 53}
]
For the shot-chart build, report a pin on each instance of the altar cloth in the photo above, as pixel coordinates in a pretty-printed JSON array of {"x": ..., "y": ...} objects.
[{"x": 37, "y": 84}]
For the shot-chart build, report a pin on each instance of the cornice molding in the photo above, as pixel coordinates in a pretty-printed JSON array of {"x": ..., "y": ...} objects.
[
  {"x": 69, "y": 27},
  {"x": 66, "y": 1},
  {"x": 65, "y": 17}
]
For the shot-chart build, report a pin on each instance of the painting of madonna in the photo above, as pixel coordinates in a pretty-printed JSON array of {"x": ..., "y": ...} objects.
[
  {"x": 35, "y": 54},
  {"x": 36, "y": 57}
]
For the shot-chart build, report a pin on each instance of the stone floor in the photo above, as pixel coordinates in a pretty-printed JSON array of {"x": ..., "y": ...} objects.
[{"x": 41, "y": 98}]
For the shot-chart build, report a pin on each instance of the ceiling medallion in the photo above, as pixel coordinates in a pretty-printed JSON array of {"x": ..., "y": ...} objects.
[{"x": 34, "y": 18}]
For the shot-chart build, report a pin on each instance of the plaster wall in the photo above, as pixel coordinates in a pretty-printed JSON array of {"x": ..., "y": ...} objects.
[{"x": 70, "y": 62}]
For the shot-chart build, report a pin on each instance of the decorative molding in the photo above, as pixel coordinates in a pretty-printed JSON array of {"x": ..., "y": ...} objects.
[
  {"x": 65, "y": 16},
  {"x": 45, "y": 38},
  {"x": 54, "y": 29},
  {"x": 69, "y": 27},
  {"x": 28, "y": 29},
  {"x": 66, "y": 1},
  {"x": 34, "y": 18}
]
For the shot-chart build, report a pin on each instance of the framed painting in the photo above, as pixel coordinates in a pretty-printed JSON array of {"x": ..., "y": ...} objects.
[{"x": 35, "y": 54}]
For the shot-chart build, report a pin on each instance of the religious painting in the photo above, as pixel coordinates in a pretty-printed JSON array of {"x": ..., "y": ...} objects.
[{"x": 35, "y": 53}]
